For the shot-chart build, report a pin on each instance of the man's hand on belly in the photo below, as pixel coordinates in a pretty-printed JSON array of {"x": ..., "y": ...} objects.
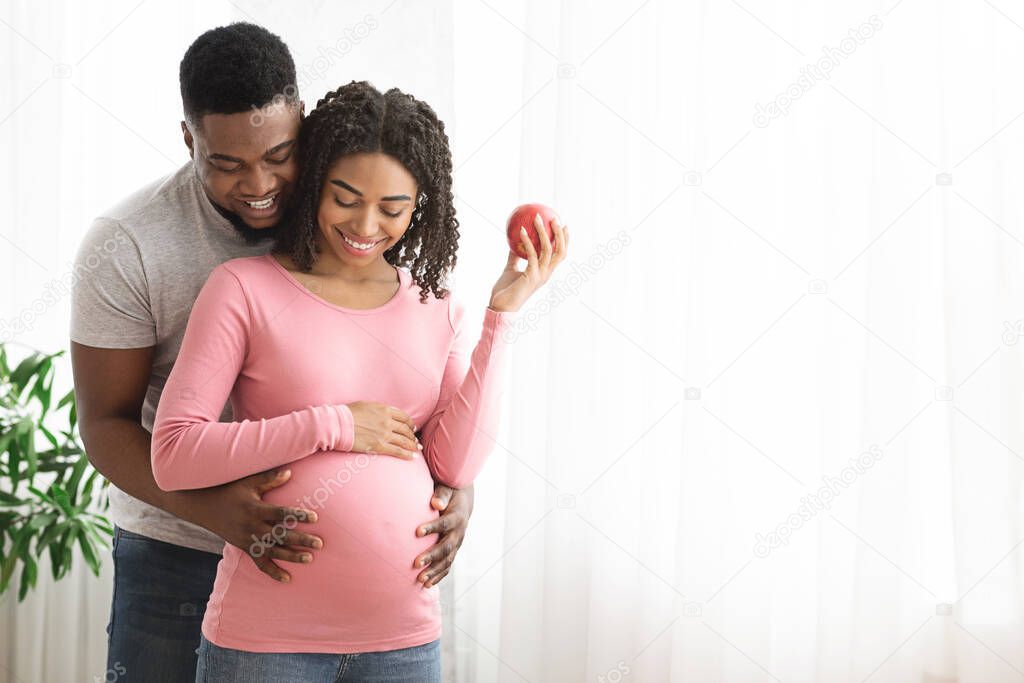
[
  {"x": 456, "y": 506},
  {"x": 236, "y": 512}
]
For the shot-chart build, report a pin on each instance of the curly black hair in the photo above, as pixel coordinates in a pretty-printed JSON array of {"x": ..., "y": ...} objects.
[
  {"x": 357, "y": 118},
  {"x": 235, "y": 68}
]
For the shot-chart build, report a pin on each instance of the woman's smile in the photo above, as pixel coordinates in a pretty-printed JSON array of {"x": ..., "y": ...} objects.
[{"x": 359, "y": 246}]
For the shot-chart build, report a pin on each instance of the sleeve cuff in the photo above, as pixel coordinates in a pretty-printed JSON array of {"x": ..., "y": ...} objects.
[
  {"x": 501, "y": 324},
  {"x": 347, "y": 438}
]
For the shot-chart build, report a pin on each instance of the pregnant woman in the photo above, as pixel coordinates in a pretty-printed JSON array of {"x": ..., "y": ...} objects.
[{"x": 344, "y": 356}]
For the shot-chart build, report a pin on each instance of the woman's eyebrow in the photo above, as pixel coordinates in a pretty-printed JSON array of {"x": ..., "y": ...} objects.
[
  {"x": 393, "y": 198},
  {"x": 343, "y": 184}
]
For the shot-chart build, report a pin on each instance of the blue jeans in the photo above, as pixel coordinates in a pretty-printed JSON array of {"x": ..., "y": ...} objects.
[
  {"x": 419, "y": 664},
  {"x": 160, "y": 594}
]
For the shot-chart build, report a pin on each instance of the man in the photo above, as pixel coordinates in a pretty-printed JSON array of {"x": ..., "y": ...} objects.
[{"x": 141, "y": 267}]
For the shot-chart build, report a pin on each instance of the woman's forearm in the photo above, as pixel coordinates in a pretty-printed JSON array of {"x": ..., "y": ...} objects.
[
  {"x": 190, "y": 452},
  {"x": 459, "y": 437}
]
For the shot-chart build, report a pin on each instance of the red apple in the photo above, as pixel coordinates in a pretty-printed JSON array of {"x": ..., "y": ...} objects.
[{"x": 522, "y": 217}]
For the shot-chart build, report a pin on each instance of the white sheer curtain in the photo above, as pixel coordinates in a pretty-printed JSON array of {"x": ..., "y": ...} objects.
[
  {"x": 793, "y": 292},
  {"x": 799, "y": 321}
]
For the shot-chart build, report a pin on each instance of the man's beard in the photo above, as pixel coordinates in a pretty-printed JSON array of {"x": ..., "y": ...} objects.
[{"x": 250, "y": 234}]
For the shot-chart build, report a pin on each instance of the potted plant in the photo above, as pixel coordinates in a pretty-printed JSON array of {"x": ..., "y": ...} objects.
[{"x": 47, "y": 485}]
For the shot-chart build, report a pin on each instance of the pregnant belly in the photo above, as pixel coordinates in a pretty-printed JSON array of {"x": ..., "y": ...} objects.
[
  {"x": 367, "y": 505},
  {"x": 360, "y": 589}
]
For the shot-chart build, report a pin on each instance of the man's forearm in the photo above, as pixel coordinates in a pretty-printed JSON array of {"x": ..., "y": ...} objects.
[{"x": 120, "y": 449}]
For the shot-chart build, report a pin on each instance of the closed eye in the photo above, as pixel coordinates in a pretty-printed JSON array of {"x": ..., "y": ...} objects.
[{"x": 226, "y": 170}]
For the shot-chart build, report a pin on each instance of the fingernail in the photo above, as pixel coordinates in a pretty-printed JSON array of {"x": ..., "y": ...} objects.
[
  {"x": 420, "y": 446},
  {"x": 317, "y": 543},
  {"x": 307, "y": 558},
  {"x": 522, "y": 230}
]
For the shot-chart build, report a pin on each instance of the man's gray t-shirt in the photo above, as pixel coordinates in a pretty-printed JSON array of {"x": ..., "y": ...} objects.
[{"x": 138, "y": 271}]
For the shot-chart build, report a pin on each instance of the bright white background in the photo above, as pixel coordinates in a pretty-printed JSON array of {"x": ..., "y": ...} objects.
[{"x": 746, "y": 309}]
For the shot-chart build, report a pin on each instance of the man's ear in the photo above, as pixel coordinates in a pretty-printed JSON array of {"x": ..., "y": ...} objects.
[
  {"x": 187, "y": 134},
  {"x": 302, "y": 109}
]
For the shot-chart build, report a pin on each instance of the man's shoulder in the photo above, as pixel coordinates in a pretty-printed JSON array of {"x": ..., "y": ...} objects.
[{"x": 163, "y": 198}]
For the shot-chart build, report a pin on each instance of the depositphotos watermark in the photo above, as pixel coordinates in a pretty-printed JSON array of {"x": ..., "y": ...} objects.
[
  {"x": 813, "y": 503},
  {"x": 112, "y": 674},
  {"x": 312, "y": 501},
  {"x": 58, "y": 288},
  {"x": 569, "y": 285},
  {"x": 615, "y": 674},
  {"x": 307, "y": 74},
  {"x": 812, "y": 73}
]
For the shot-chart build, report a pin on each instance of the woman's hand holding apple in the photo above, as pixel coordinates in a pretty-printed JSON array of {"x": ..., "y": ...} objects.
[{"x": 515, "y": 286}]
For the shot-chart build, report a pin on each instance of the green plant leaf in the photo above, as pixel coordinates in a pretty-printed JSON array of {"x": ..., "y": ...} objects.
[
  {"x": 94, "y": 531},
  {"x": 47, "y": 390},
  {"x": 77, "y": 470},
  {"x": 19, "y": 539},
  {"x": 39, "y": 521},
  {"x": 5, "y": 439},
  {"x": 49, "y": 436},
  {"x": 14, "y": 463},
  {"x": 102, "y": 524},
  {"x": 28, "y": 577},
  {"x": 9, "y": 500},
  {"x": 55, "y": 559},
  {"x": 40, "y": 389},
  {"x": 62, "y": 499},
  {"x": 49, "y": 535},
  {"x": 26, "y": 369},
  {"x": 25, "y": 536},
  {"x": 67, "y": 540},
  {"x": 42, "y": 496},
  {"x": 89, "y": 483},
  {"x": 58, "y": 512},
  {"x": 68, "y": 398},
  {"x": 85, "y": 543},
  {"x": 29, "y": 447},
  {"x": 6, "y": 570}
]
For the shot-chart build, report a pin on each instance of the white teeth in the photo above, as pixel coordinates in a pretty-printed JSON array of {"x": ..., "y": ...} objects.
[
  {"x": 264, "y": 204},
  {"x": 362, "y": 247}
]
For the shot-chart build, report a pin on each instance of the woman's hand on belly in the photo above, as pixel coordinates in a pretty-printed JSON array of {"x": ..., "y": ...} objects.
[{"x": 384, "y": 429}]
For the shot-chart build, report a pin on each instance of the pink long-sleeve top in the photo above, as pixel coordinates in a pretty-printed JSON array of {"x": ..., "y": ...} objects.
[{"x": 289, "y": 362}]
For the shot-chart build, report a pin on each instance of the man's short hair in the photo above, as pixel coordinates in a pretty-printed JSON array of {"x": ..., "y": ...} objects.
[{"x": 234, "y": 68}]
